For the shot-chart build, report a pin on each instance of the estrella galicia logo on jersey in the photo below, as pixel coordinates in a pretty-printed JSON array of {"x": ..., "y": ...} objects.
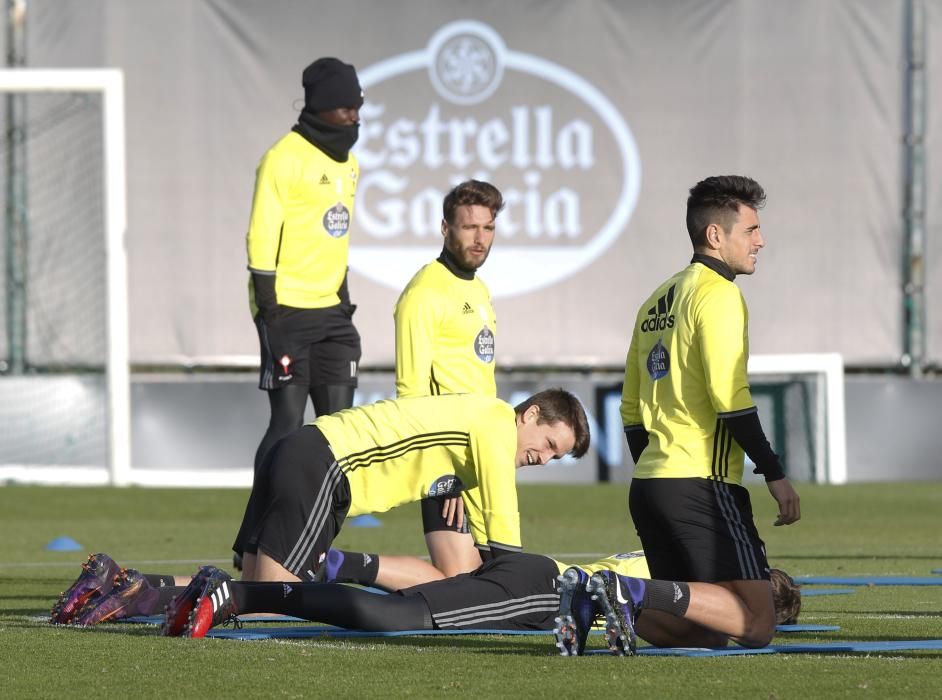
[
  {"x": 629, "y": 555},
  {"x": 447, "y": 485},
  {"x": 484, "y": 345},
  {"x": 337, "y": 220},
  {"x": 660, "y": 316},
  {"x": 659, "y": 361}
]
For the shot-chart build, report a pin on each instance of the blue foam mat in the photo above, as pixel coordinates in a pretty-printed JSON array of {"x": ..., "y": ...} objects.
[
  {"x": 159, "y": 619},
  {"x": 330, "y": 631},
  {"x": 822, "y": 648},
  {"x": 811, "y": 592},
  {"x": 340, "y": 633},
  {"x": 807, "y": 628},
  {"x": 870, "y": 580}
]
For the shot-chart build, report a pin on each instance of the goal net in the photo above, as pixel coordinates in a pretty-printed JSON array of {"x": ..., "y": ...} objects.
[{"x": 64, "y": 389}]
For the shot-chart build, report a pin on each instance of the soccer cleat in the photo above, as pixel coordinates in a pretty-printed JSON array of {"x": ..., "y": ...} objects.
[
  {"x": 131, "y": 595},
  {"x": 577, "y": 612},
  {"x": 214, "y": 606},
  {"x": 615, "y": 600},
  {"x": 96, "y": 579},
  {"x": 177, "y": 612}
]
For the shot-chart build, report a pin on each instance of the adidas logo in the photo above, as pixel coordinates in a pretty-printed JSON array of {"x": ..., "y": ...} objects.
[
  {"x": 678, "y": 594},
  {"x": 220, "y": 596},
  {"x": 287, "y": 590},
  {"x": 324, "y": 179},
  {"x": 466, "y": 309},
  {"x": 659, "y": 315},
  {"x": 366, "y": 559}
]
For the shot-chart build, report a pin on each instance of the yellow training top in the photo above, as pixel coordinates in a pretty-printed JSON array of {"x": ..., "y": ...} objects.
[
  {"x": 301, "y": 215},
  {"x": 445, "y": 331},
  {"x": 627, "y": 564},
  {"x": 404, "y": 450},
  {"x": 685, "y": 371}
]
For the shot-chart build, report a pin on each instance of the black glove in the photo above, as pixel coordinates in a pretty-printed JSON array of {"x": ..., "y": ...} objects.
[{"x": 265, "y": 298}]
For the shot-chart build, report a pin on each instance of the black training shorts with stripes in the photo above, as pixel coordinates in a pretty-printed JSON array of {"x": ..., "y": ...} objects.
[
  {"x": 513, "y": 592},
  {"x": 697, "y": 530},
  {"x": 310, "y": 347},
  {"x": 434, "y": 521},
  {"x": 298, "y": 503}
]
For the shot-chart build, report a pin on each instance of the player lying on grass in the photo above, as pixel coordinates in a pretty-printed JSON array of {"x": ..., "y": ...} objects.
[{"x": 515, "y": 592}]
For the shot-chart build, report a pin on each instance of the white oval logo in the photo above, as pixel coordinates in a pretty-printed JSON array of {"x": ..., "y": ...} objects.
[
  {"x": 484, "y": 345},
  {"x": 488, "y": 113}
]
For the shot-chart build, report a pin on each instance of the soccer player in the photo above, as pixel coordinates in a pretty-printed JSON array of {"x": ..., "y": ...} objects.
[
  {"x": 515, "y": 592},
  {"x": 690, "y": 419},
  {"x": 372, "y": 458},
  {"x": 297, "y": 255},
  {"x": 445, "y": 342}
]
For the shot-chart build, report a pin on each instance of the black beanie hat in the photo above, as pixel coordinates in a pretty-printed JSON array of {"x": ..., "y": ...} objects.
[{"x": 330, "y": 84}]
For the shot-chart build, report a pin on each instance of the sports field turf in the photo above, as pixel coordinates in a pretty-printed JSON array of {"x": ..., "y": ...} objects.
[{"x": 873, "y": 529}]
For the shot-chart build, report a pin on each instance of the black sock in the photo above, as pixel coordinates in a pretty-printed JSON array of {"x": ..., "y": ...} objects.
[
  {"x": 356, "y": 567},
  {"x": 668, "y": 596},
  {"x": 164, "y": 595},
  {"x": 159, "y": 580},
  {"x": 265, "y": 597}
]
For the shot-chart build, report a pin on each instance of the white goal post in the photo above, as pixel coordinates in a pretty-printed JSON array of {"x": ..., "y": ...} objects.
[
  {"x": 828, "y": 368},
  {"x": 109, "y": 83}
]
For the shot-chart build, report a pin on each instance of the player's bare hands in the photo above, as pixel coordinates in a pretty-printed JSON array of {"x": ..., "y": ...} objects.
[
  {"x": 789, "y": 508},
  {"x": 453, "y": 511}
]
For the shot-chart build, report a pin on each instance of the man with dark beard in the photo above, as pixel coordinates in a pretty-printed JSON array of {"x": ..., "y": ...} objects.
[
  {"x": 297, "y": 255},
  {"x": 445, "y": 330}
]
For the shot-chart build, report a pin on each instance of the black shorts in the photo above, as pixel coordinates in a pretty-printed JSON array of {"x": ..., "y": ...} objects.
[
  {"x": 297, "y": 505},
  {"x": 513, "y": 592},
  {"x": 434, "y": 521},
  {"x": 311, "y": 347},
  {"x": 697, "y": 530}
]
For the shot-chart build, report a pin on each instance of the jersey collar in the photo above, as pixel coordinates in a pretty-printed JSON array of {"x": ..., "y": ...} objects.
[
  {"x": 448, "y": 260},
  {"x": 718, "y": 266}
]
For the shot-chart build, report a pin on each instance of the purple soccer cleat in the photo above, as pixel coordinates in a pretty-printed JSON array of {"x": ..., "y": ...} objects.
[
  {"x": 96, "y": 579},
  {"x": 131, "y": 595},
  {"x": 577, "y": 612},
  {"x": 619, "y": 598}
]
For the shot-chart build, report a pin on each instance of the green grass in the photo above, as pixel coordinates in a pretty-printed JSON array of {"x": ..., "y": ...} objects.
[{"x": 876, "y": 529}]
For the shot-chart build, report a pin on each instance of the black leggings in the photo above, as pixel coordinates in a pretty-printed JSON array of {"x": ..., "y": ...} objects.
[
  {"x": 287, "y": 410},
  {"x": 335, "y": 604}
]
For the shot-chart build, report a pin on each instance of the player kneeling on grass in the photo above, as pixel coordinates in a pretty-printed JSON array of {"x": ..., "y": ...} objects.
[{"x": 372, "y": 458}]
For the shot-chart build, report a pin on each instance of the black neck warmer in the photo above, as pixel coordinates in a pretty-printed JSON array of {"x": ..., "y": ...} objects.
[
  {"x": 718, "y": 266},
  {"x": 336, "y": 141},
  {"x": 449, "y": 261}
]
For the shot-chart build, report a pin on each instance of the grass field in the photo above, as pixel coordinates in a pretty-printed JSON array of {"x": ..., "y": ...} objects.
[{"x": 873, "y": 529}]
